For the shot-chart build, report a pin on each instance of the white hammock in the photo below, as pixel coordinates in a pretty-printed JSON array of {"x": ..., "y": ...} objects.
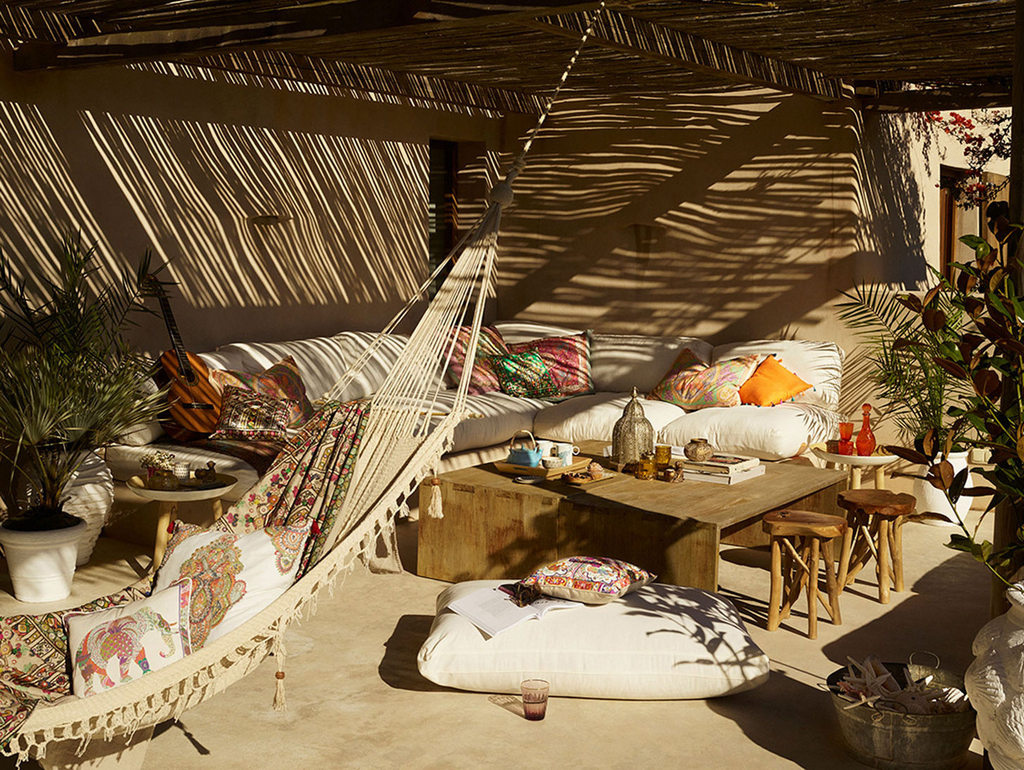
[{"x": 400, "y": 445}]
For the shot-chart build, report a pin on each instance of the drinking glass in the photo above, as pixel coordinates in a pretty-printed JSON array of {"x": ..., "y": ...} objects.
[{"x": 535, "y": 698}]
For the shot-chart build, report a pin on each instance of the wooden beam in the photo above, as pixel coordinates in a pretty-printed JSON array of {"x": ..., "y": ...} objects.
[
  {"x": 947, "y": 98},
  {"x": 645, "y": 39}
]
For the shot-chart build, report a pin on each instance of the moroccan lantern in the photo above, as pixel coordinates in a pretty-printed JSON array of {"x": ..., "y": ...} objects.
[{"x": 633, "y": 434}]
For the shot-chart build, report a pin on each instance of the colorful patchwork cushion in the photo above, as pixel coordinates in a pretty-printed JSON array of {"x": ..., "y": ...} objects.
[
  {"x": 771, "y": 384},
  {"x": 251, "y": 416},
  {"x": 280, "y": 381},
  {"x": 588, "y": 579},
  {"x": 482, "y": 379},
  {"x": 693, "y": 384},
  {"x": 233, "y": 576},
  {"x": 524, "y": 375},
  {"x": 567, "y": 358},
  {"x": 112, "y": 647}
]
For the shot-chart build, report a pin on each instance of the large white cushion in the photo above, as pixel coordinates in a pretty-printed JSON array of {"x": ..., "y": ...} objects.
[
  {"x": 819, "y": 364},
  {"x": 768, "y": 432},
  {"x": 592, "y": 417},
  {"x": 321, "y": 360},
  {"x": 658, "y": 642},
  {"x": 494, "y": 418},
  {"x": 621, "y": 362}
]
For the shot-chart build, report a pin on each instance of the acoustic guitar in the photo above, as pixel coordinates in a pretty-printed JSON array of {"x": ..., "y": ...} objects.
[{"x": 193, "y": 403}]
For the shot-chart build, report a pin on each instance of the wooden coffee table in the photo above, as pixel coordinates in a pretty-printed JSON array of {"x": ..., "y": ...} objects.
[{"x": 495, "y": 528}]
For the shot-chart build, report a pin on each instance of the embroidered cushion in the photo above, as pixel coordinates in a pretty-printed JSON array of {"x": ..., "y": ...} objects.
[
  {"x": 482, "y": 378},
  {"x": 251, "y": 416},
  {"x": 115, "y": 646},
  {"x": 567, "y": 358},
  {"x": 693, "y": 384},
  {"x": 524, "y": 375},
  {"x": 771, "y": 384},
  {"x": 233, "y": 576},
  {"x": 280, "y": 381},
  {"x": 588, "y": 579},
  {"x": 660, "y": 641}
]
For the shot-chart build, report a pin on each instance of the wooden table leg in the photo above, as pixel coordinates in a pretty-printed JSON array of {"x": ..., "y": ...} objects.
[
  {"x": 844, "y": 557},
  {"x": 831, "y": 583},
  {"x": 812, "y": 590},
  {"x": 218, "y": 508},
  {"x": 883, "y": 559},
  {"x": 896, "y": 547},
  {"x": 880, "y": 477},
  {"x": 168, "y": 513},
  {"x": 854, "y": 477},
  {"x": 775, "y": 601}
]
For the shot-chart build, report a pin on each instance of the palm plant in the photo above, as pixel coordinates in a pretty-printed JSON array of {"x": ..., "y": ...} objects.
[
  {"x": 69, "y": 382},
  {"x": 902, "y": 348}
]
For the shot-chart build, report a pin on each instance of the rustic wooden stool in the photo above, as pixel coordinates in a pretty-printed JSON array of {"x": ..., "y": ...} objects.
[
  {"x": 799, "y": 539},
  {"x": 876, "y": 518}
]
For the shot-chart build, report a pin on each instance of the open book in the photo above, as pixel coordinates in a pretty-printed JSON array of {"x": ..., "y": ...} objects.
[{"x": 493, "y": 611}]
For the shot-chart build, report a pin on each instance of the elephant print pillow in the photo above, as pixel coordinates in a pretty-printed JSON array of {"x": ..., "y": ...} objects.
[{"x": 119, "y": 645}]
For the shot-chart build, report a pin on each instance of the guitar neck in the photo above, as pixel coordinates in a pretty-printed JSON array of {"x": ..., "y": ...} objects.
[{"x": 172, "y": 330}]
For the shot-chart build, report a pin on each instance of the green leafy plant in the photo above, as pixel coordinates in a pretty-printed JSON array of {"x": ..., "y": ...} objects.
[
  {"x": 69, "y": 382},
  {"x": 904, "y": 339},
  {"x": 986, "y": 360}
]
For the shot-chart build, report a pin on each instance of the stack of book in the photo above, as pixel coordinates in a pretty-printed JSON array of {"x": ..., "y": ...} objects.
[{"x": 723, "y": 468}]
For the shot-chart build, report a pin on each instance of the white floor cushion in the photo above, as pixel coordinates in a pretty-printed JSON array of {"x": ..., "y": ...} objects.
[
  {"x": 768, "y": 432},
  {"x": 494, "y": 418},
  {"x": 591, "y": 418},
  {"x": 659, "y": 642}
]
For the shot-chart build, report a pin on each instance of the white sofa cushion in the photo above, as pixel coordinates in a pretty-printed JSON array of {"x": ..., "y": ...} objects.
[
  {"x": 592, "y": 417},
  {"x": 768, "y": 432},
  {"x": 321, "y": 360},
  {"x": 819, "y": 364},
  {"x": 494, "y": 418},
  {"x": 524, "y": 331},
  {"x": 658, "y": 642},
  {"x": 620, "y": 362}
]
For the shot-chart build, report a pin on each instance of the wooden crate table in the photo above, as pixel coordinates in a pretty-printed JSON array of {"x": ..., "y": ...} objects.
[{"x": 496, "y": 528}]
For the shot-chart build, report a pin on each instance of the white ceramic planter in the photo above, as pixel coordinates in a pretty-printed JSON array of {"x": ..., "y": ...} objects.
[
  {"x": 42, "y": 564},
  {"x": 90, "y": 495},
  {"x": 995, "y": 684},
  {"x": 932, "y": 500}
]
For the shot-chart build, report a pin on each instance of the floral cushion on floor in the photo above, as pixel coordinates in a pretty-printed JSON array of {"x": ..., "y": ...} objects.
[
  {"x": 112, "y": 647},
  {"x": 567, "y": 358},
  {"x": 280, "y": 381},
  {"x": 234, "y": 576},
  {"x": 693, "y": 384},
  {"x": 588, "y": 579}
]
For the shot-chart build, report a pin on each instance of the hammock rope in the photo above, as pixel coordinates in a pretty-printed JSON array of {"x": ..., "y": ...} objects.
[{"x": 399, "y": 444}]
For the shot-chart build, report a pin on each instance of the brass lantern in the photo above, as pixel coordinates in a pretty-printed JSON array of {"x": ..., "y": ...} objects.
[{"x": 633, "y": 434}]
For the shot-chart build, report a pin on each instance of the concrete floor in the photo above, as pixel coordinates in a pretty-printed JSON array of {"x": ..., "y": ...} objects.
[{"x": 356, "y": 700}]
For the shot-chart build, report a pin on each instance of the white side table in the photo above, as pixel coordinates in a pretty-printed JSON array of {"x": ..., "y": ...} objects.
[
  {"x": 169, "y": 499},
  {"x": 856, "y": 464}
]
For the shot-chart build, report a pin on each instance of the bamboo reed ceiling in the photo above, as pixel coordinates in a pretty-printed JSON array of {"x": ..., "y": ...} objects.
[{"x": 507, "y": 55}]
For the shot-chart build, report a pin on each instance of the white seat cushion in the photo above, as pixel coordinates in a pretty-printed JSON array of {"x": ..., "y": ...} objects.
[
  {"x": 820, "y": 364},
  {"x": 592, "y": 417},
  {"x": 500, "y": 417},
  {"x": 768, "y": 432},
  {"x": 621, "y": 362},
  {"x": 658, "y": 642}
]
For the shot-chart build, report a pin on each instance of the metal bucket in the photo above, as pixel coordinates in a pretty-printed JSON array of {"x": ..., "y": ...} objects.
[{"x": 894, "y": 741}]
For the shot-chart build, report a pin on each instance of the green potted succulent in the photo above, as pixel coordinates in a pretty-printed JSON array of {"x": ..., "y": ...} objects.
[
  {"x": 69, "y": 384},
  {"x": 905, "y": 335}
]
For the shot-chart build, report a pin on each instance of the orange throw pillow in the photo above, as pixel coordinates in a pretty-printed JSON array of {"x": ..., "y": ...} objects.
[{"x": 771, "y": 384}]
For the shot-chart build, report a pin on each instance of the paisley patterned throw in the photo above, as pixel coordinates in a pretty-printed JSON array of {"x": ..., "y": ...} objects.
[
  {"x": 118, "y": 645},
  {"x": 693, "y": 384}
]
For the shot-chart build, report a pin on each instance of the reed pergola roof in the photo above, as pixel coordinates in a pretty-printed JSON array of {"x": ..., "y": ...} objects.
[{"x": 506, "y": 55}]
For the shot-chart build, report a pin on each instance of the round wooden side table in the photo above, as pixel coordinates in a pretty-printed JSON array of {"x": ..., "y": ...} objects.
[
  {"x": 169, "y": 499},
  {"x": 856, "y": 464}
]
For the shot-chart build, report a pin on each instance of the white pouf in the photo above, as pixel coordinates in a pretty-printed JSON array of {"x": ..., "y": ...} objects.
[{"x": 658, "y": 642}]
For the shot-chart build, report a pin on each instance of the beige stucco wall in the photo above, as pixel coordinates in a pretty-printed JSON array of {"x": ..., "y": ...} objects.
[{"x": 139, "y": 160}]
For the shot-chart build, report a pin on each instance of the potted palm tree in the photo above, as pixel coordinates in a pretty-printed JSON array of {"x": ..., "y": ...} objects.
[
  {"x": 69, "y": 384},
  {"x": 905, "y": 335}
]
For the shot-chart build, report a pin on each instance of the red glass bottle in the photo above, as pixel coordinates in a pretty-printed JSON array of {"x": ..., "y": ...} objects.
[{"x": 866, "y": 439}]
